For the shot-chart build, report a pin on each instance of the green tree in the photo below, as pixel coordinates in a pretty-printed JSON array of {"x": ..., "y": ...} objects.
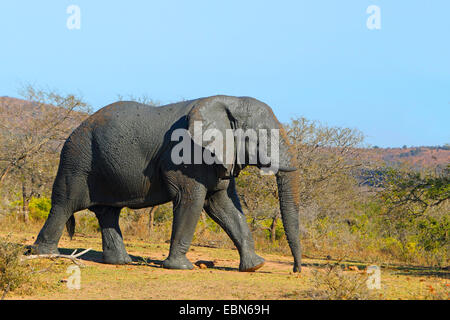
[{"x": 415, "y": 192}]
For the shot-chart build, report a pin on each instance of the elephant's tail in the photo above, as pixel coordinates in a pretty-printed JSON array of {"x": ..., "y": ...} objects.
[{"x": 70, "y": 225}]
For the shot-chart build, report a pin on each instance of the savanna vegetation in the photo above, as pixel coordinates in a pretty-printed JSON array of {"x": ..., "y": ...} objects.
[{"x": 353, "y": 207}]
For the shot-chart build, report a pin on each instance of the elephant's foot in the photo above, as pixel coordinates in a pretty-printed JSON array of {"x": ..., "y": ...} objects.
[
  {"x": 114, "y": 251},
  {"x": 181, "y": 263},
  {"x": 297, "y": 267},
  {"x": 44, "y": 248},
  {"x": 251, "y": 264},
  {"x": 114, "y": 257}
]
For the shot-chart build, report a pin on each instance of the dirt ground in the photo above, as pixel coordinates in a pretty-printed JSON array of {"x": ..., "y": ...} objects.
[{"x": 145, "y": 279}]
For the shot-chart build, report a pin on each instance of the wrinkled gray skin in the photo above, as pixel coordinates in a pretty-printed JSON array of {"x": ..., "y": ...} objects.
[{"x": 121, "y": 157}]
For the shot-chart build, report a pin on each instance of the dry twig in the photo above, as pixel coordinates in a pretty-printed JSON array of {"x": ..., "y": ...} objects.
[{"x": 73, "y": 256}]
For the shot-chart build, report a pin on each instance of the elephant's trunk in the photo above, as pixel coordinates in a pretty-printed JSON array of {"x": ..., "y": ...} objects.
[{"x": 288, "y": 192}]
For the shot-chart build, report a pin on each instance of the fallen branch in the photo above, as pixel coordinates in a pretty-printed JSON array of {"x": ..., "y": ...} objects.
[{"x": 73, "y": 256}]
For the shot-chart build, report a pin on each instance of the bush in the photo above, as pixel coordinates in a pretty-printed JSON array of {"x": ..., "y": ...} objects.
[
  {"x": 334, "y": 284},
  {"x": 86, "y": 222},
  {"x": 12, "y": 273},
  {"x": 433, "y": 232},
  {"x": 279, "y": 229},
  {"x": 39, "y": 208},
  {"x": 163, "y": 214}
]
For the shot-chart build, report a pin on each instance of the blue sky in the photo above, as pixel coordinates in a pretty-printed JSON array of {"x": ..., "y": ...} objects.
[{"x": 315, "y": 59}]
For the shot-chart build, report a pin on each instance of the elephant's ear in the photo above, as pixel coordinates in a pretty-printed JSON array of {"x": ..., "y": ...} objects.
[{"x": 211, "y": 127}]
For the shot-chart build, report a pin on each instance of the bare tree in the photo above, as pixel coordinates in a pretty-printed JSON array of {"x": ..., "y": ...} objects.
[
  {"x": 32, "y": 132},
  {"x": 327, "y": 157},
  {"x": 259, "y": 197}
]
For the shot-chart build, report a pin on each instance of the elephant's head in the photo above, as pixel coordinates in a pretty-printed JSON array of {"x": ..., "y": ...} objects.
[{"x": 220, "y": 118}]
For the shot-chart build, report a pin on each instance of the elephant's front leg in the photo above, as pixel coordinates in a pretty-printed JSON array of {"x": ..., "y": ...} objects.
[
  {"x": 224, "y": 208},
  {"x": 187, "y": 208},
  {"x": 114, "y": 251}
]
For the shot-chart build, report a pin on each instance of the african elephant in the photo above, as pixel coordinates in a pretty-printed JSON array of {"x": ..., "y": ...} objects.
[{"x": 121, "y": 156}]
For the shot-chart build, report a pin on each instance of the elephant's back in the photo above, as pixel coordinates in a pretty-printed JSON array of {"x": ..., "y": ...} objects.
[
  {"x": 128, "y": 126},
  {"x": 116, "y": 146},
  {"x": 128, "y": 115}
]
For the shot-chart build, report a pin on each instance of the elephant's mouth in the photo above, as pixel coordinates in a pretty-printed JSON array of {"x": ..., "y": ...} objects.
[{"x": 280, "y": 168}]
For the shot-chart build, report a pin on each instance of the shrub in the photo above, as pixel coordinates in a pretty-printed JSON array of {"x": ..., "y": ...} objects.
[
  {"x": 335, "y": 284},
  {"x": 279, "y": 229},
  {"x": 12, "y": 273},
  {"x": 433, "y": 232},
  {"x": 86, "y": 222},
  {"x": 163, "y": 214},
  {"x": 39, "y": 208}
]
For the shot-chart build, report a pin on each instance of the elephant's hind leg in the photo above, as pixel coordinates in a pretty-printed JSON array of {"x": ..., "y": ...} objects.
[
  {"x": 112, "y": 242},
  {"x": 51, "y": 232},
  {"x": 224, "y": 208},
  {"x": 68, "y": 196}
]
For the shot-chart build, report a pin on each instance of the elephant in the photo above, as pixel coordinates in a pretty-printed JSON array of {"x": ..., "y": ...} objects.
[{"x": 121, "y": 156}]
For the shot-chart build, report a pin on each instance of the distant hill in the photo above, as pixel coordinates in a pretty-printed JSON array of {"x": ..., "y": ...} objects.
[
  {"x": 16, "y": 114},
  {"x": 418, "y": 157},
  {"x": 21, "y": 109}
]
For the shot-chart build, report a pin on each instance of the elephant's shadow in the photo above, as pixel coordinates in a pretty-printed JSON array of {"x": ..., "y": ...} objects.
[{"x": 97, "y": 256}]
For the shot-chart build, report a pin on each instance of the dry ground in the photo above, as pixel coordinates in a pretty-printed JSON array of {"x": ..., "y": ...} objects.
[{"x": 145, "y": 279}]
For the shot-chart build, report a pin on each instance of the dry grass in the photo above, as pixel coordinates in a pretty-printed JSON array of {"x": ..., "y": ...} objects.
[
  {"x": 13, "y": 273},
  {"x": 145, "y": 279},
  {"x": 333, "y": 283}
]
